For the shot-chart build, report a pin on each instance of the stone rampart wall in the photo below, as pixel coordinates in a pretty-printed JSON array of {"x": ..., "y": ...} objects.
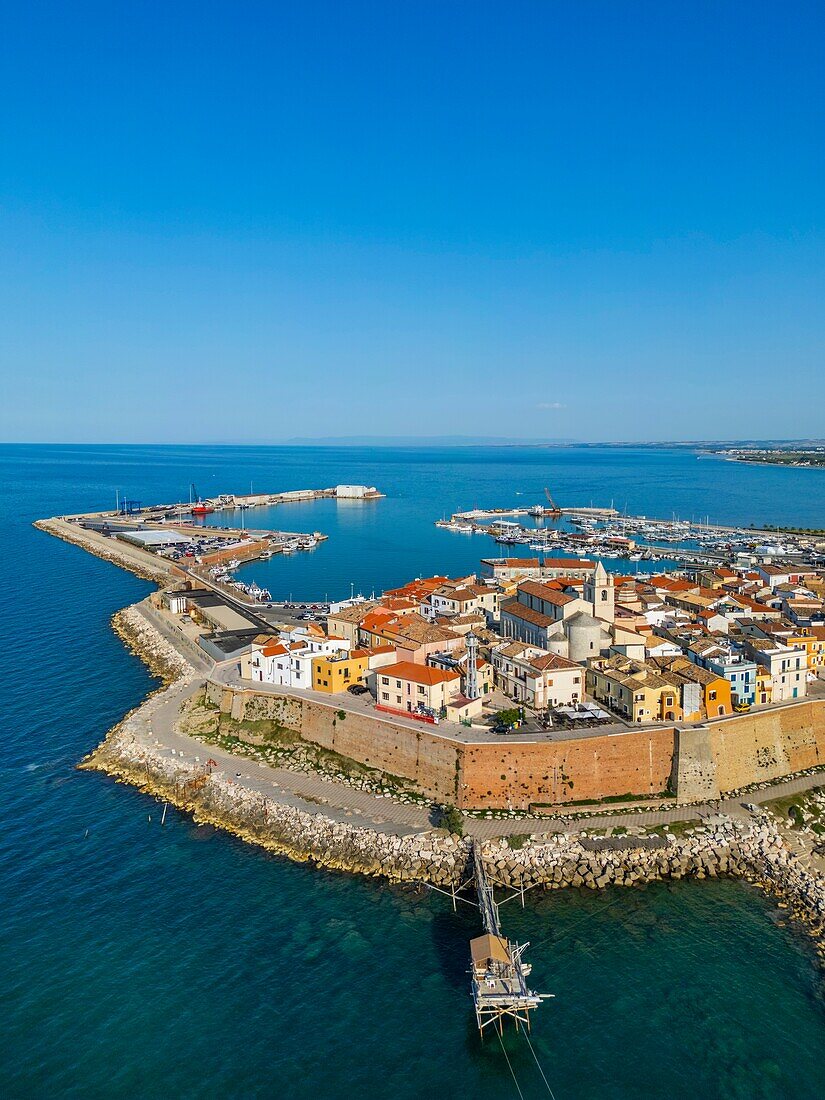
[
  {"x": 699, "y": 763},
  {"x": 757, "y": 748}
]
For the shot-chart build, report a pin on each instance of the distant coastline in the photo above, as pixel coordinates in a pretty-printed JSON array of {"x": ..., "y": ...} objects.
[
  {"x": 800, "y": 459},
  {"x": 721, "y": 447}
]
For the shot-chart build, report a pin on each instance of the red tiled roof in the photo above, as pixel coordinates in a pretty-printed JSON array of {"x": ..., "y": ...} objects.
[{"x": 420, "y": 674}]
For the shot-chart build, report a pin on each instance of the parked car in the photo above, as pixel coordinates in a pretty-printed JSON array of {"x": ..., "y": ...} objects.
[{"x": 358, "y": 689}]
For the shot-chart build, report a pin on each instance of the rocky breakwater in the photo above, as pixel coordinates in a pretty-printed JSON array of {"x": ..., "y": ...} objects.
[
  {"x": 216, "y": 799},
  {"x": 106, "y": 548},
  {"x": 789, "y": 876},
  {"x": 133, "y": 752},
  {"x": 753, "y": 850},
  {"x": 146, "y": 642}
]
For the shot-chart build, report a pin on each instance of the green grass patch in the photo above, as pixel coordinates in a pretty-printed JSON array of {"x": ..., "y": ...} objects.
[
  {"x": 517, "y": 841},
  {"x": 267, "y": 741}
]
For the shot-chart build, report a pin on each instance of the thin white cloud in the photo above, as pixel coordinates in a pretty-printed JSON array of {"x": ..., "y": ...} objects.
[{"x": 551, "y": 405}]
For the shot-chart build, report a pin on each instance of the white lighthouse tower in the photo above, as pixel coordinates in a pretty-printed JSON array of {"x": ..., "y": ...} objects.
[{"x": 472, "y": 666}]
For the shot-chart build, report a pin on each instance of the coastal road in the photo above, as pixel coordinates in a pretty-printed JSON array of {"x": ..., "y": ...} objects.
[
  {"x": 338, "y": 801},
  {"x": 307, "y": 792}
]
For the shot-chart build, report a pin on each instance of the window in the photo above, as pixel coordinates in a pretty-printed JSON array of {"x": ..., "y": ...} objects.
[
  {"x": 421, "y": 690},
  {"x": 385, "y": 696},
  {"x": 711, "y": 695},
  {"x": 385, "y": 680}
]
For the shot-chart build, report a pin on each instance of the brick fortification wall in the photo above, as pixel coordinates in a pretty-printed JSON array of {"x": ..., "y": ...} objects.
[
  {"x": 756, "y": 748},
  {"x": 432, "y": 763},
  {"x": 701, "y": 762},
  {"x": 484, "y": 775},
  {"x": 512, "y": 774}
]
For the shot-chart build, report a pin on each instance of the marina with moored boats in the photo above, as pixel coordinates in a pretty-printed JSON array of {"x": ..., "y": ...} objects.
[
  {"x": 180, "y": 534},
  {"x": 608, "y": 533}
]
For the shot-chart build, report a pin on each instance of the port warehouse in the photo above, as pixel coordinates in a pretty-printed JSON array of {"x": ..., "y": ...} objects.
[
  {"x": 694, "y": 763},
  {"x": 157, "y": 540}
]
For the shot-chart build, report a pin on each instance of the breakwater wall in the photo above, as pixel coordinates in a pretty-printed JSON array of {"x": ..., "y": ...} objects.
[{"x": 109, "y": 549}]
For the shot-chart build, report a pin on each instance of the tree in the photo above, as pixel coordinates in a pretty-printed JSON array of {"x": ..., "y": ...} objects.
[
  {"x": 509, "y": 717},
  {"x": 451, "y": 820}
]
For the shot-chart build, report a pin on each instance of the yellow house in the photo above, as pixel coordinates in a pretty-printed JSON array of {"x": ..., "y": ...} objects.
[
  {"x": 335, "y": 672},
  {"x": 713, "y": 698},
  {"x": 813, "y": 638},
  {"x": 635, "y": 690},
  {"x": 764, "y": 685}
]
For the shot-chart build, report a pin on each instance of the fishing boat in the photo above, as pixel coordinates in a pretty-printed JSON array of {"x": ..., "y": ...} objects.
[
  {"x": 198, "y": 507},
  {"x": 255, "y": 592}
]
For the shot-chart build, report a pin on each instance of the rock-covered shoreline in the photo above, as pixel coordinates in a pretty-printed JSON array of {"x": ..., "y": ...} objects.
[
  {"x": 141, "y": 638},
  {"x": 753, "y": 850},
  {"x": 111, "y": 552}
]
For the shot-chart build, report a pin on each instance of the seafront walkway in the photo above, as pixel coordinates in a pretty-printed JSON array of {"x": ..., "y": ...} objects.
[
  {"x": 314, "y": 794},
  {"x": 340, "y": 802}
]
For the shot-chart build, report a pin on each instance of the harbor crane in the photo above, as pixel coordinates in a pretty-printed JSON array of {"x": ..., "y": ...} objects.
[{"x": 552, "y": 508}]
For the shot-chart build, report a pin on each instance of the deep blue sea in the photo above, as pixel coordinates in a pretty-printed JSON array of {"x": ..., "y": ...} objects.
[{"x": 144, "y": 962}]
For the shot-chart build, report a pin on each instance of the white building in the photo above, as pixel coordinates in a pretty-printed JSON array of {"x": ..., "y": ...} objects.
[
  {"x": 787, "y": 665},
  {"x": 287, "y": 662},
  {"x": 528, "y": 674},
  {"x": 355, "y": 492}
]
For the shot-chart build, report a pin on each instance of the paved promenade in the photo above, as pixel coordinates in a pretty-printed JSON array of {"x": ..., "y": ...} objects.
[{"x": 340, "y": 802}]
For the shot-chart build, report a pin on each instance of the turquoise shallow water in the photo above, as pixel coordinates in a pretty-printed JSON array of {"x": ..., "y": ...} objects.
[{"x": 145, "y": 962}]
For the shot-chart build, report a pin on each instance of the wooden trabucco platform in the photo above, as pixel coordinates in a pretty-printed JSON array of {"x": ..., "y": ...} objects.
[{"x": 498, "y": 971}]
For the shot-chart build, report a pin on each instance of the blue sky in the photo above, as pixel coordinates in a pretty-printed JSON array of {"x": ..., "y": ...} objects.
[{"x": 251, "y": 221}]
